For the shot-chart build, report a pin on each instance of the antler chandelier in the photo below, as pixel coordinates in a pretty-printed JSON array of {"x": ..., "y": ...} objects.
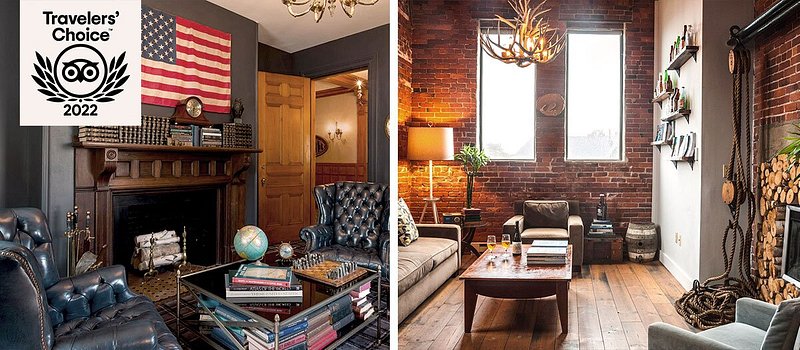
[
  {"x": 530, "y": 38},
  {"x": 319, "y": 6}
]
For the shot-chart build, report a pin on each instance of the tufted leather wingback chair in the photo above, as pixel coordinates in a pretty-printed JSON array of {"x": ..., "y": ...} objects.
[
  {"x": 39, "y": 310},
  {"x": 353, "y": 224}
]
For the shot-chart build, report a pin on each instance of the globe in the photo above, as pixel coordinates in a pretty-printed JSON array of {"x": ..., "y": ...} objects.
[{"x": 250, "y": 243}]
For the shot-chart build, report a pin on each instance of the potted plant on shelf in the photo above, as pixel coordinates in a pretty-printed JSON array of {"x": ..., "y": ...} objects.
[{"x": 473, "y": 159}]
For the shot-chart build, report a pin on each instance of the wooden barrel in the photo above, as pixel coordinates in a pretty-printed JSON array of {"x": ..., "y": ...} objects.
[{"x": 642, "y": 242}]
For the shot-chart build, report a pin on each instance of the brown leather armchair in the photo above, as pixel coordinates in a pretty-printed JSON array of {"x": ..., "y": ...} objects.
[{"x": 549, "y": 220}]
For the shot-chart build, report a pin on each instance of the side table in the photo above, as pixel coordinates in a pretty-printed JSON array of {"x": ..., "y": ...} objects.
[{"x": 466, "y": 241}]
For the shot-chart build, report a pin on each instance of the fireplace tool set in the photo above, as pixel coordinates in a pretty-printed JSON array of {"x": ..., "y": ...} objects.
[
  {"x": 77, "y": 238},
  {"x": 151, "y": 271}
]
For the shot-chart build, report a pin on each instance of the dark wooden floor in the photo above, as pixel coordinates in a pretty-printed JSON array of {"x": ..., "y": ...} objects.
[{"x": 610, "y": 307}]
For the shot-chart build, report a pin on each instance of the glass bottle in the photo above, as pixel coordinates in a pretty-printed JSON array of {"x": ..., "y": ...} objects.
[
  {"x": 516, "y": 241},
  {"x": 690, "y": 36},
  {"x": 602, "y": 208}
]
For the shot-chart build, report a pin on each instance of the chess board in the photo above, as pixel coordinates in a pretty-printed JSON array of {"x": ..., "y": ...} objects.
[{"x": 319, "y": 273}]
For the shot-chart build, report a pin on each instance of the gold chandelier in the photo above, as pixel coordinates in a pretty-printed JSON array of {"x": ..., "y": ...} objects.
[
  {"x": 318, "y": 7},
  {"x": 531, "y": 39}
]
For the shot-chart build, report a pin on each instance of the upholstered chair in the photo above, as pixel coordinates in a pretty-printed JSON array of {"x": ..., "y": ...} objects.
[
  {"x": 353, "y": 224},
  {"x": 759, "y": 326},
  {"x": 40, "y": 310},
  {"x": 543, "y": 219}
]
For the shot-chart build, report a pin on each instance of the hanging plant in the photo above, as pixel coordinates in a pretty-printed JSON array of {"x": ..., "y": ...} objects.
[{"x": 473, "y": 159}]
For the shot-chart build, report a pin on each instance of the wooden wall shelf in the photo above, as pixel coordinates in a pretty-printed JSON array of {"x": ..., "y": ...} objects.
[
  {"x": 662, "y": 143},
  {"x": 683, "y": 56},
  {"x": 689, "y": 160},
  {"x": 681, "y": 113},
  {"x": 662, "y": 96}
]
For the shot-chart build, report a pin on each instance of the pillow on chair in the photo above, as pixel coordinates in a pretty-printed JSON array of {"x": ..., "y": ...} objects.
[
  {"x": 406, "y": 227},
  {"x": 553, "y": 214},
  {"x": 783, "y": 329}
]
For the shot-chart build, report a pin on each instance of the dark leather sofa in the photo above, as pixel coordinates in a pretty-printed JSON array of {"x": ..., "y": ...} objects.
[
  {"x": 40, "y": 310},
  {"x": 353, "y": 224}
]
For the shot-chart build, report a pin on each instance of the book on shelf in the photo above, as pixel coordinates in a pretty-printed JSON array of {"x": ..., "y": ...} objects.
[
  {"x": 320, "y": 335},
  {"x": 324, "y": 341},
  {"x": 358, "y": 295},
  {"x": 251, "y": 300},
  {"x": 343, "y": 322},
  {"x": 263, "y": 275}
]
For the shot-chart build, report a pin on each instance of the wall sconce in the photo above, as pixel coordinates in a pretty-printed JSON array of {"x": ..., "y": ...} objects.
[
  {"x": 359, "y": 92},
  {"x": 336, "y": 135}
]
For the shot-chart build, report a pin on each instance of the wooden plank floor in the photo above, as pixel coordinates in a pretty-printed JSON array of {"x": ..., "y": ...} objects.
[{"x": 610, "y": 307}]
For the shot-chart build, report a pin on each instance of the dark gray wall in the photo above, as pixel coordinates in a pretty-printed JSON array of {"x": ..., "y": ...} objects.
[
  {"x": 368, "y": 49},
  {"x": 20, "y": 147},
  {"x": 274, "y": 60}
]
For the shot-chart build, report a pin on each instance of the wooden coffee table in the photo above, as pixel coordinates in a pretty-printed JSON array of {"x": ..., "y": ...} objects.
[{"x": 514, "y": 279}]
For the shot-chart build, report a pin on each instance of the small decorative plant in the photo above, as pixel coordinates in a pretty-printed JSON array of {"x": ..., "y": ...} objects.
[
  {"x": 473, "y": 160},
  {"x": 793, "y": 148}
]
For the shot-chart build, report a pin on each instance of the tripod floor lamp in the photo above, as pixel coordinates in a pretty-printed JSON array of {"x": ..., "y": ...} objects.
[{"x": 429, "y": 143}]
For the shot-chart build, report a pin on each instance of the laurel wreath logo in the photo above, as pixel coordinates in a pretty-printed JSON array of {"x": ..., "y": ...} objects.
[{"x": 112, "y": 86}]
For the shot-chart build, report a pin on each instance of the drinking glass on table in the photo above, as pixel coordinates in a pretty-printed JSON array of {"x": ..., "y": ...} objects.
[
  {"x": 491, "y": 241},
  {"x": 506, "y": 242}
]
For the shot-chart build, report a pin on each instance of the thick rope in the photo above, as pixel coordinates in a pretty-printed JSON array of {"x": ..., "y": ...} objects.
[{"x": 713, "y": 303}]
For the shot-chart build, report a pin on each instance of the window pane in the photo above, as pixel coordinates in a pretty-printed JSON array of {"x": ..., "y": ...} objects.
[
  {"x": 507, "y": 109},
  {"x": 594, "y": 96}
]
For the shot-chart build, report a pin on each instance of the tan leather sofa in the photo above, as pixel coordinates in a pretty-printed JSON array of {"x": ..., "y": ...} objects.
[
  {"x": 426, "y": 264},
  {"x": 543, "y": 219}
]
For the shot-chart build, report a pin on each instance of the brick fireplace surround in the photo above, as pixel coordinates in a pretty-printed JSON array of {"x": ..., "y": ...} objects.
[{"x": 437, "y": 82}]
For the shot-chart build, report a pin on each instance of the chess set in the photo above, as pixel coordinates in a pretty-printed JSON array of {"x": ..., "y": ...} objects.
[{"x": 333, "y": 273}]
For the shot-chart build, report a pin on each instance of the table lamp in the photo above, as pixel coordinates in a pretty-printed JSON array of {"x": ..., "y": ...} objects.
[{"x": 429, "y": 143}]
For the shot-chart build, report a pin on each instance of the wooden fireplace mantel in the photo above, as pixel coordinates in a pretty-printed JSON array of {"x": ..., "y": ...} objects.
[{"x": 105, "y": 169}]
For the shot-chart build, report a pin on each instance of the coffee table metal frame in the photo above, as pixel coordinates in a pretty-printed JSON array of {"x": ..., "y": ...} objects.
[
  {"x": 272, "y": 325},
  {"x": 505, "y": 284}
]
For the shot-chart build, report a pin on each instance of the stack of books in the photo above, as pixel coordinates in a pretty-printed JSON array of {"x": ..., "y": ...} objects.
[
  {"x": 601, "y": 228},
  {"x": 472, "y": 214},
  {"x": 109, "y": 134},
  {"x": 292, "y": 337},
  {"x": 362, "y": 307},
  {"x": 320, "y": 332},
  {"x": 181, "y": 135},
  {"x": 341, "y": 312},
  {"x": 235, "y": 135},
  {"x": 210, "y": 137},
  {"x": 547, "y": 252},
  {"x": 152, "y": 131},
  {"x": 253, "y": 283}
]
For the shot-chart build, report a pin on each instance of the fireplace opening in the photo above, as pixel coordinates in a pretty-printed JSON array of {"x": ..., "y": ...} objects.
[
  {"x": 144, "y": 213},
  {"x": 791, "y": 246}
]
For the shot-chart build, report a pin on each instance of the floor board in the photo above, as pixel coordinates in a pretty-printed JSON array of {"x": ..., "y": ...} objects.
[{"x": 610, "y": 307}]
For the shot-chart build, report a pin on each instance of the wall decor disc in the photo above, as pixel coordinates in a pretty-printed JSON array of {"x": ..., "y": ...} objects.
[
  {"x": 550, "y": 105},
  {"x": 321, "y": 145}
]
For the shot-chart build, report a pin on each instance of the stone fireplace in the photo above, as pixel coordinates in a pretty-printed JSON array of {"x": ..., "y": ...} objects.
[{"x": 139, "y": 189}]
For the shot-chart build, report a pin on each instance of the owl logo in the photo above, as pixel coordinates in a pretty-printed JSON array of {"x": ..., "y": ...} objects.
[{"x": 80, "y": 70}]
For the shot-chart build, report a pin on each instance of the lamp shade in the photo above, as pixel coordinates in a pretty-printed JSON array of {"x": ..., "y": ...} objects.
[{"x": 427, "y": 143}]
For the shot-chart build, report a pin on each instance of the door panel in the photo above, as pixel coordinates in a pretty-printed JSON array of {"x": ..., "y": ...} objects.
[{"x": 284, "y": 133}]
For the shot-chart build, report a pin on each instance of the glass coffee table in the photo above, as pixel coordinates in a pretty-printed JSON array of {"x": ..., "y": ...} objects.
[{"x": 210, "y": 285}]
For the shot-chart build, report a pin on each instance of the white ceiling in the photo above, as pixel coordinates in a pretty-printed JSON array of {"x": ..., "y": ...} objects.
[{"x": 277, "y": 28}]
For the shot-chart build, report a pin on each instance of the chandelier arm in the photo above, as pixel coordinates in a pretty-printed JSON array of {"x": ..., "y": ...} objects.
[
  {"x": 369, "y": 2},
  {"x": 298, "y": 14},
  {"x": 296, "y": 2}
]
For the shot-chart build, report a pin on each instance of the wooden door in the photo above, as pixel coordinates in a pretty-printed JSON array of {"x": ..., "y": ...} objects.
[{"x": 285, "y": 167}]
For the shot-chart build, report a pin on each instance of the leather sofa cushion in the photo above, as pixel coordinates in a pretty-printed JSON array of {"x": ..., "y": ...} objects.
[
  {"x": 420, "y": 258},
  {"x": 358, "y": 214},
  {"x": 737, "y": 335},
  {"x": 546, "y": 214},
  {"x": 134, "y": 309},
  {"x": 544, "y": 233}
]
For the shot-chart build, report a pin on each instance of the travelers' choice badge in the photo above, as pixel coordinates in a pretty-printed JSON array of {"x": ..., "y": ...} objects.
[{"x": 80, "y": 62}]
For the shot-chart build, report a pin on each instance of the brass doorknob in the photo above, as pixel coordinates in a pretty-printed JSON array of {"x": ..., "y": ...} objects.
[{"x": 263, "y": 181}]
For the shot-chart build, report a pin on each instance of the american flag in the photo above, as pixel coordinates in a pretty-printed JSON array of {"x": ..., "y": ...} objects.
[{"x": 181, "y": 58}]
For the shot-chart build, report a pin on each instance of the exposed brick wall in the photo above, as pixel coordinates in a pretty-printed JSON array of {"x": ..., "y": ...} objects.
[
  {"x": 404, "y": 91},
  {"x": 776, "y": 62},
  {"x": 443, "y": 76}
]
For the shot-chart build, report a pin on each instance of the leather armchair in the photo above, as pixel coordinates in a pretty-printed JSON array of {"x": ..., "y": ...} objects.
[
  {"x": 549, "y": 220},
  {"x": 95, "y": 310},
  {"x": 353, "y": 224}
]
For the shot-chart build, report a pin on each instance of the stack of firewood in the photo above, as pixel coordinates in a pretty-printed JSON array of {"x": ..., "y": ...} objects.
[
  {"x": 165, "y": 249},
  {"x": 779, "y": 187}
]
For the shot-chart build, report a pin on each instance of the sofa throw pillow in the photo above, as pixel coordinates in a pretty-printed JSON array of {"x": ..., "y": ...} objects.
[
  {"x": 783, "y": 329},
  {"x": 406, "y": 228}
]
